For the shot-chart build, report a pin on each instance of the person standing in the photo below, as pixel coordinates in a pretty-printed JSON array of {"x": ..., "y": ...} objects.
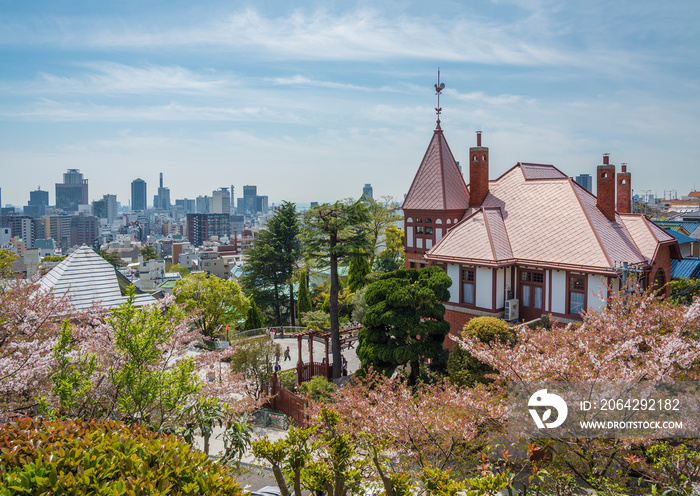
[{"x": 287, "y": 355}]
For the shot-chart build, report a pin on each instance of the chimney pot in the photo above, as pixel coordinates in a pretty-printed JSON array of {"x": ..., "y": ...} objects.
[
  {"x": 624, "y": 166},
  {"x": 606, "y": 158},
  {"x": 478, "y": 138}
]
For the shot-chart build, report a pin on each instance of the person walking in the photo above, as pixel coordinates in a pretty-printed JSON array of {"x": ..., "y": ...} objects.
[{"x": 287, "y": 355}]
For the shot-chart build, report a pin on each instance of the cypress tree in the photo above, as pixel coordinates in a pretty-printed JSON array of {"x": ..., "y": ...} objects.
[{"x": 304, "y": 301}]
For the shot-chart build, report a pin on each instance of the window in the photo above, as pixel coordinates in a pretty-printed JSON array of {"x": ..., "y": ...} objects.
[
  {"x": 419, "y": 229},
  {"x": 419, "y": 219},
  {"x": 469, "y": 286},
  {"x": 428, "y": 221},
  {"x": 429, "y": 231},
  {"x": 577, "y": 294}
]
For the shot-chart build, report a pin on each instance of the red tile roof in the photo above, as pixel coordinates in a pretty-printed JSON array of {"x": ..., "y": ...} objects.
[
  {"x": 536, "y": 214},
  {"x": 438, "y": 184}
]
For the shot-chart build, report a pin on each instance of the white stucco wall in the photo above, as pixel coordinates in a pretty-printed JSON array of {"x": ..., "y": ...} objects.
[
  {"x": 453, "y": 272},
  {"x": 558, "y": 290},
  {"x": 484, "y": 287},
  {"x": 500, "y": 288}
]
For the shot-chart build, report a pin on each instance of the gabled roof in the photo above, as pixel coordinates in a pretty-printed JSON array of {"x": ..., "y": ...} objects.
[
  {"x": 438, "y": 184},
  {"x": 536, "y": 214},
  {"x": 686, "y": 268},
  {"x": 680, "y": 237},
  {"x": 88, "y": 278},
  {"x": 691, "y": 227}
]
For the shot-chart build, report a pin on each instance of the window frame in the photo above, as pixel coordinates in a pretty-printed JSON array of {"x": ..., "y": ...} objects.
[
  {"x": 570, "y": 276},
  {"x": 464, "y": 279}
]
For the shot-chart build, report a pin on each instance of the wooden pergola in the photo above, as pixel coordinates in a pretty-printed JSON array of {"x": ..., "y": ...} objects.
[{"x": 305, "y": 371}]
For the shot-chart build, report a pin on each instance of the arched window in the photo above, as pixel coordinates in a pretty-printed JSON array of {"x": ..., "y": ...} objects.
[{"x": 659, "y": 281}]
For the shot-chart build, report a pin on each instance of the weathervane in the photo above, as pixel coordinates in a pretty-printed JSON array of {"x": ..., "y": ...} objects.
[{"x": 438, "y": 88}]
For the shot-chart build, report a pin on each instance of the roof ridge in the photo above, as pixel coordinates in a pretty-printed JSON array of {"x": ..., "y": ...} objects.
[
  {"x": 488, "y": 233},
  {"x": 588, "y": 218}
]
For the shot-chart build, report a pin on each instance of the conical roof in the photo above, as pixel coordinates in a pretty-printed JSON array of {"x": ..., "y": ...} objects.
[
  {"x": 438, "y": 184},
  {"x": 88, "y": 278}
]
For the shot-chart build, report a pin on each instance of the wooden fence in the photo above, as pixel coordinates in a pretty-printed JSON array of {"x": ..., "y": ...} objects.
[{"x": 288, "y": 403}]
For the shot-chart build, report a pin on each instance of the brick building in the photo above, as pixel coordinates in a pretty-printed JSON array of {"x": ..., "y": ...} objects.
[{"x": 530, "y": 242}]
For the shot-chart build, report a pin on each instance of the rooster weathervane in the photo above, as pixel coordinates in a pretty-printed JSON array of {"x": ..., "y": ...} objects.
[{"x": 438, "y": 89}]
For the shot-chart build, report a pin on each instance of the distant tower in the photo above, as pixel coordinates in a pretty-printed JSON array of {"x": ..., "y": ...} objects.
[
  {"x": 138, "y": 195},
  {"x": 220, "y": 202},
  {"x": 72, "y": 192},
  {"x": 585, "y": 180},
  {"x": 38, "y": 201},
  {"x": 367, "y": 192},
  {"x": 162, "y": 200}
]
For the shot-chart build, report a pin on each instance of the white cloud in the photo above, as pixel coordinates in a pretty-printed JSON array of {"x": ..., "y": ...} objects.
[
  {"x": 54, "y": 111},
  {"x": 113, "y": 78}
]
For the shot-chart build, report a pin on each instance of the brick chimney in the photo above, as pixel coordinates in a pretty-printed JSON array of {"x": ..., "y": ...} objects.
[
  {"x": 605, "y": 185},
  {"x": 624, "y": 191},
  {"x": 478, "y": 173}
]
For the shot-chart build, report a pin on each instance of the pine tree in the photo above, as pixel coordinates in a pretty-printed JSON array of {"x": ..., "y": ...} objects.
[
  {"x": 270, "y": 265},
  {"x": 404, "y": 322},
  {"x": 333, "y": 233}
]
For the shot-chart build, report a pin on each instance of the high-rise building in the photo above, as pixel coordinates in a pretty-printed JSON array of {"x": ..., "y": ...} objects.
[
  {"x": 367, "y": 192},
  {"x": 586, "y": 181},
  {"x": 84, "y": 230},
  {"x": 138, "y": 195},
  {"x": 38, "y": 201},
  {"x": 57, "y": 227},
  {"x": 220, "y": 201},
  {"x": 251, "y": 203},
  {"x": 201, "y": 227},
  {"x": 72, "y": 192},
  {"x": 21, "y": 226},
  {"x": 203, "y": 204},
  {"x": 106, "y": 208},
  {"x": 188, "y": 206},
  {"x": 161, "y": 201}
]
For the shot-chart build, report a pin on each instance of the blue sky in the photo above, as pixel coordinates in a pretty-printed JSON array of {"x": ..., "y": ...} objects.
[{"x": 310, "y": 100}]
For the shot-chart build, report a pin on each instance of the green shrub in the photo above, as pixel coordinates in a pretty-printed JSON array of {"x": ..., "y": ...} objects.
[
  {"x": 288, "y": 379},
  {"x": 465, "y": 370},
  {"x": 318, "y": 388},
  {"x": 487, "y": 329},
  {"x": 39, "y": 456}
]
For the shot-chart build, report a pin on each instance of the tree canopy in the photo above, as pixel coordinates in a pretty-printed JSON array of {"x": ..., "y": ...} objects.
[
  {"x": 217, "y": 302},
  {"x": 404, "y": 321},
  {"x": 6, "y": 259},
  {"x": 270, "y": 266},
  {"x": 148, "y": 253}
]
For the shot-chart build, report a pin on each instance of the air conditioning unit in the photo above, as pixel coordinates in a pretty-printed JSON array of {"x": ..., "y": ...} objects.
[{"x": 511, "y": 310}]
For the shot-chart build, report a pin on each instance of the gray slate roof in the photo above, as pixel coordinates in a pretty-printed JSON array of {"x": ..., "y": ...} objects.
[{"x": 88, "y": 278}]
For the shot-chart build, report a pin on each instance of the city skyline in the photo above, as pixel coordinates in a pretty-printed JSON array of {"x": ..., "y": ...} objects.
[{"x": 310, "y": 101}]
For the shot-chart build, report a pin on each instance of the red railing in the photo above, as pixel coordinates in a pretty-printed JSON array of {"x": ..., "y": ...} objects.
[
  {"x": 288, "y": 403},
  {"x": 306, "y": 371}
]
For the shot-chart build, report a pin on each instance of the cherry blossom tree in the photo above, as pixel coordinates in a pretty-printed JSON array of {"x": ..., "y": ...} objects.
[
  {"x": 426, "y": 425},
  {"x": 30, "y": 322},
  {"x": 637, "y": 337}
]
